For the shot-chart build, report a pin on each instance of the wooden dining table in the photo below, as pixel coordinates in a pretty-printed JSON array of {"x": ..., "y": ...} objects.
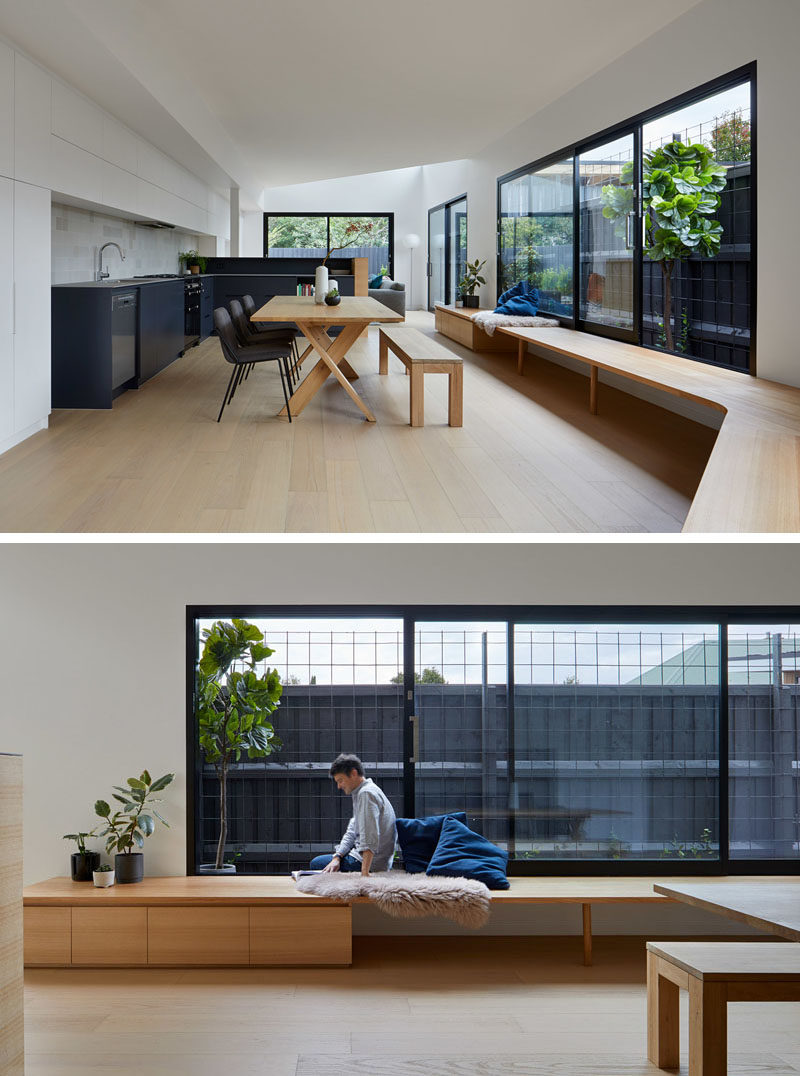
[
  {"x": 766, "y": 902},
  {"x": 353, "y": 314}
]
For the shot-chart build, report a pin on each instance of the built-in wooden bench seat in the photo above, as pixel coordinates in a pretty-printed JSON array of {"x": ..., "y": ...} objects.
[
  {"x": 751, "y": 482},
  {"x": 713, "y": 973},
  {"x": 242, "y": 920},
  {"x": 421, "y": 354}
]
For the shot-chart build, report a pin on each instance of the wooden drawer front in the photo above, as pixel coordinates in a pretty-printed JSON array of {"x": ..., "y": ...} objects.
[
  {"x": 457, "y": 329},
  {"x": 47, "y": 936},
  {"x": 115, "y": 936},
  {"x": 280, "y": 935},
  {"x": 185, "y": 936}
]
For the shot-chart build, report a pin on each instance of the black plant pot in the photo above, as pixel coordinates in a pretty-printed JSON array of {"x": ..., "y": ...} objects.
[
  {"x": 472, "y": 302},
  {"x": 209, "y": 868},
  {"x": 331, "y": 301},
  {"x": 82, "y": 864},
  {"x": 128, "y": 867}
]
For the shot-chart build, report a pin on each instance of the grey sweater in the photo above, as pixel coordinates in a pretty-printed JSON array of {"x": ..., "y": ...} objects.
[{"x": 372, "y": 827}]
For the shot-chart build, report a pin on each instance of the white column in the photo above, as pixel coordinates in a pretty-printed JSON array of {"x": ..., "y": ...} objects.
[{"x": 234, "y": 222}]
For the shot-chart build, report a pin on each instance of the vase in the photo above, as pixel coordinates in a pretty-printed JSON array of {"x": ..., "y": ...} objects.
[
  {"x": 129, "y": 867},
  {"x": 103, "y": 879},
  {"x": 82, "y": 864},
  {"x": 210, "y": 868},
  {"x": 320, "y": 284}
]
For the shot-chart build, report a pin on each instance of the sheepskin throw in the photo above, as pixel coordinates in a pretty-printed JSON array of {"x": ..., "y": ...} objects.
[
  {"x": 407, "y": 896},
  {"x": 488, "y": 321}
]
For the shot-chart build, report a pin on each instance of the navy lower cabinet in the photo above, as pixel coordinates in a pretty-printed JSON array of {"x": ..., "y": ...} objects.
[
  {"x": 206, "y": 307},
  {"x": 161, "y": 327},
  {"x": 93, "y": 344}
]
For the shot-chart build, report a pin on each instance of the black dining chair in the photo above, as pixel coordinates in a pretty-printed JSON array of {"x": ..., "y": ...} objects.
[
  {"x": 263, "y": 327},
  {"x": 248, "y": 335},
  {"x": 244, "y": 358}
]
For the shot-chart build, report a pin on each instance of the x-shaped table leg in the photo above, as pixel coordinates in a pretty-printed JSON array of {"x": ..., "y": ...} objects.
[{"x": 331, "y": 361}]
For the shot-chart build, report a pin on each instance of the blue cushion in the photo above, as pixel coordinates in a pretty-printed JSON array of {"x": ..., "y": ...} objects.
[
  {"x": 461, "y": 853},
  {"x": 418, "y": 838},
  {"x": 521, "y": 299},
  {"x": 375, "y": 281}
]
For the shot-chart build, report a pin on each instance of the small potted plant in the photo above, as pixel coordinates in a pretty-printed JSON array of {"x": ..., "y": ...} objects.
[
  {"x": 103, "y": 876},
  {"x": 193, "y": 261},
  {"x": 470, "y": 282},
  {"x": 333, "y": 298},
  {"x": 132, "y": 824},
  {"x": 82, "y": 862}
]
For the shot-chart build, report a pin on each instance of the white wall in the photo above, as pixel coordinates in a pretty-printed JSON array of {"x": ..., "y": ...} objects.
[
  {"x": 398, "y": 192},
  {"x": 712, "y": 39},
  {"x": 93, "y": 640}
]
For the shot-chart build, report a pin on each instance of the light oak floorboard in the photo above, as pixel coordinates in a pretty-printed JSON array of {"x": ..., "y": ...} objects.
[
  {"x": 529, "y": 458},
  {"x": 407, "y": 1007}
]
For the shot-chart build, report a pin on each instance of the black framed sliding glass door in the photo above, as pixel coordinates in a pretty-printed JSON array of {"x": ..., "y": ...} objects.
[{"x": 447, "y": 250}]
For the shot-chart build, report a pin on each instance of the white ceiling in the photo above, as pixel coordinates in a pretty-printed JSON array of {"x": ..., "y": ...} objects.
[{"x": 273, "y": 93}]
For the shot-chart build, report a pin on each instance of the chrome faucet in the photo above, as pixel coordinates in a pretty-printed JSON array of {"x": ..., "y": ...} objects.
[{"x": 101, "y": 275}]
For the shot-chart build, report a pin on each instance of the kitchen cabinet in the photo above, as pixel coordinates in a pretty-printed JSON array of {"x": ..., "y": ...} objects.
[
  {"x": 161, "y": 326},
  {"x": 31, "y": 306},
  {"x": 32, "y": 123},
  {"x": 6, "y": 311},
  {"x": 6, "y": 111},
  {"x": 206, "y": 307}
]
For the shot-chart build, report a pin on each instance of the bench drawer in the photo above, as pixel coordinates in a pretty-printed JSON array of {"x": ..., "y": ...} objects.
[
  {"x": 281, "y": 935},
  {"x": 112, "y": 936},
  {"x": 191, "y": 936},
  {"x": 47, "y": 936}
]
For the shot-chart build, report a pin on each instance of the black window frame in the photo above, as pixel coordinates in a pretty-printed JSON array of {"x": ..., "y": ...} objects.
[
  {"x": 740, "y": 75},
  {"x": 723, "y": 616},
  {"x": 329, "y": 217},
  {"x": 449, "y": 285}
]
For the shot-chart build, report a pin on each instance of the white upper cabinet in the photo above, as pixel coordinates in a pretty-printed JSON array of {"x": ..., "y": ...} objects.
[
  {"x": 119, "y": 189},
  {"x": 77, "y": 120},
  {"x": 6, "y": 110},
  {"x": 32, "y": 222},
  {"x": 119, "y": 145},
  {"x": 6, "y": 309},
  {"x": 75, "y": 171},
  {"x": 32, "y": 122}
]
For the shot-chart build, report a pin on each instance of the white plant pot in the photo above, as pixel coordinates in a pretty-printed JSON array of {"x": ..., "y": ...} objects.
[
  {"x": 320, "y": 284},
  {"x": 103, "y": 879}
]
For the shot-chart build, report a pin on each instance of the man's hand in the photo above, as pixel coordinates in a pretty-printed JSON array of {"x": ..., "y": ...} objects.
[{"x": 332, "y": 866}]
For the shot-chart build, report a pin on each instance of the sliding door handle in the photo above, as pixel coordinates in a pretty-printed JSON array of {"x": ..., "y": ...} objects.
[{"x": 414, "y": 719}]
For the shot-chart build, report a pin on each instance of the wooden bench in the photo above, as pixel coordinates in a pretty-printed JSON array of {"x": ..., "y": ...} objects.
[
  {"x": 421, "y": 354},
  {"x": 751, "y": 482},
  {"x": 254, "y": 920},
  {"x": 714, "y": 973}
]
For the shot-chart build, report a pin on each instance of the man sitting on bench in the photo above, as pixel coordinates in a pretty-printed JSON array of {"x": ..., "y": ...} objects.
[{"x": 369, "y": 840}]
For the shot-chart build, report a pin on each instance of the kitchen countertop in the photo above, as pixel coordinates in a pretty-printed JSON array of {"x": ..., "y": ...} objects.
[{"x": 126, "y": 282}]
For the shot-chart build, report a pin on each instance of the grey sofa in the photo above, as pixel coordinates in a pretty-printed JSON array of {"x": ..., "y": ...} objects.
[{"x": 394, "y": 297}]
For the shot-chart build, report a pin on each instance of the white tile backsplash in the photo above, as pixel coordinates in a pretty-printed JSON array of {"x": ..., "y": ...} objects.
[{"x": 77, "y": 234}]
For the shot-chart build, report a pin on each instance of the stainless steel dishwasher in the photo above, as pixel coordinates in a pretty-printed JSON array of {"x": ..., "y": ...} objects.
[{"x": 123, "y": 337}]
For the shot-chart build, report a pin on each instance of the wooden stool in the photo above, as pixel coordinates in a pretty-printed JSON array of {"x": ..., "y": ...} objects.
[
  {"x": 714, "y": 973},
  {"x": 422, "y": 355}
]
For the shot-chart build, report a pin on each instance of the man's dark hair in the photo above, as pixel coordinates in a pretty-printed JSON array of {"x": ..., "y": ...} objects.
[{"x": 346, "y": 764}]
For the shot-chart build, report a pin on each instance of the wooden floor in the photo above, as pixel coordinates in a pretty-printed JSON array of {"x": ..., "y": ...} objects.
[
  {"x": 529, "y": 457},
  {"x": 408, "y": 1007}
]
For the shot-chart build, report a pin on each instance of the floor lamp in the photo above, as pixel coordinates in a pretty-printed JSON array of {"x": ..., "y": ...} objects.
[{"x": 412, "y": 241}]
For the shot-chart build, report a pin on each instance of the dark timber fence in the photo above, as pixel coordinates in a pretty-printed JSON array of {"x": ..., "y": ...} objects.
[{"x": 598, "y": 772}]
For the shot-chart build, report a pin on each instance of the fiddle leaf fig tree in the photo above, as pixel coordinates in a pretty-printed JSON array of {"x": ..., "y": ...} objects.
[
  {"x": 680, "y": 191},
  {"x": 233, "y": 704}
]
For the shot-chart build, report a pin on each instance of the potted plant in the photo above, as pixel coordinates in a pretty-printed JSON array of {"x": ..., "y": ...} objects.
[
  {"x": 470, "y": 282},
  {"x": 333, "y": 298},
  {"x": 193, "y": 261},
  {"x": 103, "y": 876},
  {"x": 132, "y": 824},
  {"x": 82, "y": 862},
  {"x": 232, "y": 709}
]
